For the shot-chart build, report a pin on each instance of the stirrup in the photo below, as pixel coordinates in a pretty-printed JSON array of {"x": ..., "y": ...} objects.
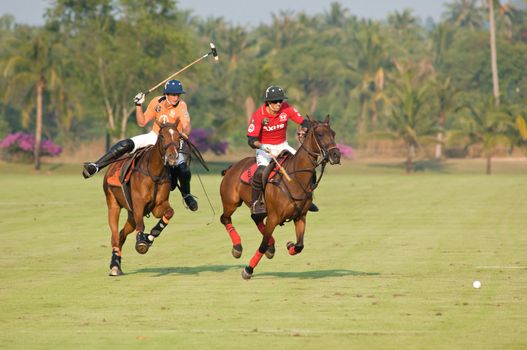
[
  {"x": 89, "y": 170},
  {"x": 190, "y": 202},
  {"x": 258, "y": 207}
]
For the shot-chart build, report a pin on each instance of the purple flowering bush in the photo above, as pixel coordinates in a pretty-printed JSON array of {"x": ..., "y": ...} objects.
[
  {"x": 204, "y": 141},
  {"x": 345, "y": 150},
  {"x": 20, "y": 146}
]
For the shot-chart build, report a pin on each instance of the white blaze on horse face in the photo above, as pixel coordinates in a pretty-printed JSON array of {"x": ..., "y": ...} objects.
[{"x": 172, "y": 133}]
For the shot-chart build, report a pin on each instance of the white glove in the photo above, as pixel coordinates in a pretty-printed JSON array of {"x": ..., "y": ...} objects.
[
  {"x": 265, "y": 149},
  {"x": 139, "y": 99}
]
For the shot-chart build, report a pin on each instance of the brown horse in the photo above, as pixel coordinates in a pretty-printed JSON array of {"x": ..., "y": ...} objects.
[
  {"x": 149, "y": 186},
  {"x": 285, "y": 201}
]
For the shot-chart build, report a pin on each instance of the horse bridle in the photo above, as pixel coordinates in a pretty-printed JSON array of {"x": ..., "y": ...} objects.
[
  {"x": 176, "y": 144},
  {"x": 323, "y": 156}
]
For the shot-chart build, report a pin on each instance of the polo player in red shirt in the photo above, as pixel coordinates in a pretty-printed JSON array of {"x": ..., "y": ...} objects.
[{"x": 267, "y": 134}]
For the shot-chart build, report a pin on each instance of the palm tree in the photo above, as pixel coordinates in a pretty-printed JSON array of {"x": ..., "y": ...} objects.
[
  {"x": 464, "y": 13},
  {"x": 403, "y": 22},
  {"x": 442, "y": 38},
  {"x": 370, "y": 61},
  {"x": 336, "y": 16},
  {"x": 446, "y": 102},
  {"x": 493, "y": 54},
  {"x": 485, "y": 124},
  {"x": 409, "y": 120},
  {"x": 32, "y": 70}
]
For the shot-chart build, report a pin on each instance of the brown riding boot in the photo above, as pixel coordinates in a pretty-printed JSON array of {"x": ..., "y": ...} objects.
[{"x": 257, "y": 206}]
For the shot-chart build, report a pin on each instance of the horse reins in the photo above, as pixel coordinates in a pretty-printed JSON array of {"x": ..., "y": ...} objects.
[{"x": 321, "y": 158}]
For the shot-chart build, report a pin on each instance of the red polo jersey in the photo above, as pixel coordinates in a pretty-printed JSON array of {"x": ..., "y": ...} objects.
[{"x": 272, "y": 129}]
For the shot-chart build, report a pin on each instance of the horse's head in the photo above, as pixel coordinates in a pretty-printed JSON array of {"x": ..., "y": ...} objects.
[
  {"x": 169, "y": 142},
  {"x": 320, "y": 139}
]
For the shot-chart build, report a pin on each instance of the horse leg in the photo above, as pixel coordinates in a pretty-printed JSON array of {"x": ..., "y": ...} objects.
[
  {"x": 225, "y": 219},
  {"x": 165, "y": 212},
  {"x": 128, "y": 228},
  {"x": 115, "y": 264},
  {"x": 300, "y": 227},
  {"x": 142, "y": 241},
  {"x": 113, "y": 221},
  {"x": 270, "y": 225},
  {"x": 269, "y": 253}
]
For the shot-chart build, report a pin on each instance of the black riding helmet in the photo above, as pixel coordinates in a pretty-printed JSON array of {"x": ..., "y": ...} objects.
[{"x": 274, "y": 93}]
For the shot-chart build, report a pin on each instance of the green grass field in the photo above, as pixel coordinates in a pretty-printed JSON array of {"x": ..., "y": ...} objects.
[{"x": 388, "y": 263}]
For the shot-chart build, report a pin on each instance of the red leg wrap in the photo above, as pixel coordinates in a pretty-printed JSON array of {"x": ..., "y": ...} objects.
[
  {"x": 235, "y": 237},
  {"x": 261, "y": 227},
  {"x": 292, "y": 250},
  {"x": 255, "y": 259}
]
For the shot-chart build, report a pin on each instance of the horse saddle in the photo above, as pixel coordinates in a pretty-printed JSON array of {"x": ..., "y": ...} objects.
[
  {"x": 270, "y": 171},
  {"x": 121, "y": 171}
]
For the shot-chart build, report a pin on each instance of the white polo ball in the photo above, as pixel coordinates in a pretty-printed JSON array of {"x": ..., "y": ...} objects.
[{"x": 476, "y": 284}]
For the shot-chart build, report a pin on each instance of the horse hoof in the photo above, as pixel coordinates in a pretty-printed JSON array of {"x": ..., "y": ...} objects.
[
  {"x": 141, "y": 247},
  {"x": 246, "y": 275},
  {"x": 269, "y": 253},
  {"x": 115, "y": 271},
  {"x": 237, "y": 251}
]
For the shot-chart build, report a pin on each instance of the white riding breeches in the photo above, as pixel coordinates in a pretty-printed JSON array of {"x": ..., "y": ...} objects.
[
  {"x": 262, "y": 158},
  {"x": 144, "y": 140}
]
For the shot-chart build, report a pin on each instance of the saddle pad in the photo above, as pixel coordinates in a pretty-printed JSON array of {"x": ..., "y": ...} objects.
[
  {"x": 121, "y": 171},
  {"x": 247, "y": 174},
  {"x": 115, "y": 171}
]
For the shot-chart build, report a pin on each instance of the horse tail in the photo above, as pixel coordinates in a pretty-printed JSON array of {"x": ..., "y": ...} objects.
[{"x": 224, "y": 171}]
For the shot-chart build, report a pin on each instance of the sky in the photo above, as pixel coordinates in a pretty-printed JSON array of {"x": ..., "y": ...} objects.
[{"x": 253, "y": 12}]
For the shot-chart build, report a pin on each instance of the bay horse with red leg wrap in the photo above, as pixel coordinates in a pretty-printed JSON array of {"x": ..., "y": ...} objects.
[
  {"x": 149, "y": 188},
  {"x": 285, "y": 201}
]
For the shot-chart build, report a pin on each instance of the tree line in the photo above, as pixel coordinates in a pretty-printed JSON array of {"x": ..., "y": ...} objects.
[{"x": 448, "y": 84}]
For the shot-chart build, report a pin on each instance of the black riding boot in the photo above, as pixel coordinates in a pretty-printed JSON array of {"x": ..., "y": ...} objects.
[
  {"x": 184, "y": 175},
  {"x": 120, "y": 148},
  {"x": 257, "y": 206},
  {"x": 313, "y": 207}
]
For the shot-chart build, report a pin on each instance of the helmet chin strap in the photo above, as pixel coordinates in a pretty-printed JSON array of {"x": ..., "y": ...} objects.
[{"x": 170, "y": 103}]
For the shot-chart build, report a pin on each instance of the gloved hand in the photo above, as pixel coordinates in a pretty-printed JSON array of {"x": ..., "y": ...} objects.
[
  {"x": 265, "y": 149},
  {"x": 139, "y": 99}
]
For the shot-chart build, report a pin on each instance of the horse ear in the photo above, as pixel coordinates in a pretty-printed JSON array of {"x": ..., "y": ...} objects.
[
  {"x": 309, "y": 118},
  {"x": 326, "y": 121}
]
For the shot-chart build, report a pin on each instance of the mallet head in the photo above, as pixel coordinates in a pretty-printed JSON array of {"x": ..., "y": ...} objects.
[{"x": 213, "y": 51}]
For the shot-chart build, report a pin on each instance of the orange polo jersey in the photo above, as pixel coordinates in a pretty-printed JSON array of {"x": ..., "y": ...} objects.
[{"x": 158, "y": 109}]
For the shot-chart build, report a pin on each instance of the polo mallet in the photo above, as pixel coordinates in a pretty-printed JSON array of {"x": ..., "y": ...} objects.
[
  {"x": 212, "y": 52},
  {"x": 281, "y": 168}
]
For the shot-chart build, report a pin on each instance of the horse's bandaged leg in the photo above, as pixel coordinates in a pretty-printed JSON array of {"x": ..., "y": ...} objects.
[
  {"x": 255, "y": 259},
  {"x": 261, "y": 228},
  {"x": 235, "y": 237},
  {"x": 156, "y": 230},
  {"x": 294, "y": 249}
]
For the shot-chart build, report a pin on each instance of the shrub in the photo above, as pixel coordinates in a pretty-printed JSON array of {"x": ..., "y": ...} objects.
[
  {"x": 21, "y": 146},
  {"x": 345, "y": 150},
  {"x": 204, "y": 141}
]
